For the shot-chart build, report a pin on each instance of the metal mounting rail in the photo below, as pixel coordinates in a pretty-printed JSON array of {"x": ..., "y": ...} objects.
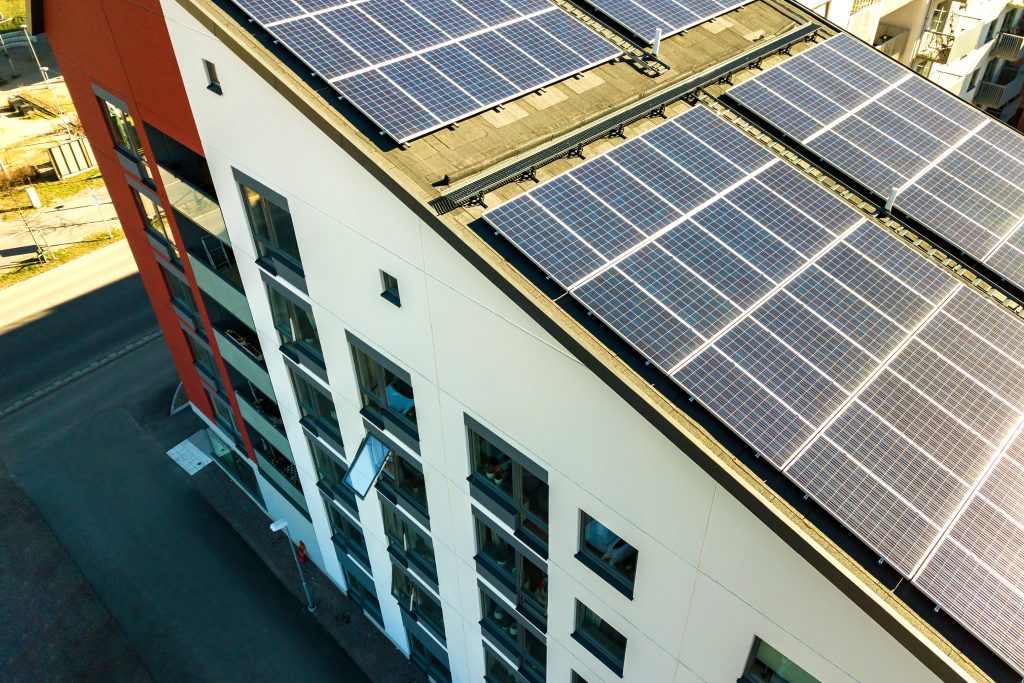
[
  {"x": 572, "y": 146},
  {"x": 642, "y": 60}
]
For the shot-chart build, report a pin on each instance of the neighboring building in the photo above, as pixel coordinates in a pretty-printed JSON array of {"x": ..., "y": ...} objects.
[
  {"x": 972, "y": 49},
  {"x": 509, "y": 491}
]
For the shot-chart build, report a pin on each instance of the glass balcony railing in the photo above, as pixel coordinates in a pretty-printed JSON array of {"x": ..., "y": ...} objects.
[{"x": 195, "y": 204}]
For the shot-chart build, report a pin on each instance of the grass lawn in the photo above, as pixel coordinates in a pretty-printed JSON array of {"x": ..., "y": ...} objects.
[
  {"x": 62, "y": 255},
  {"x": 11, "y": 8},
  {"x": 15, "y": 198}
]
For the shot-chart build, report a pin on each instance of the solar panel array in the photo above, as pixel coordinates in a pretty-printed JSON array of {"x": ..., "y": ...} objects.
[
  {"x": 644, "y": 17},
  {"x": 960, "y": 173},
  {"x": 875, "y": 381},
  {"x": 413, "y": 66}
]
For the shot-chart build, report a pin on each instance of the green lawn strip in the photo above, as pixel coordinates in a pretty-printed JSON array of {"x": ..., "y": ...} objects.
[
  {"x": 15, "y": 198},
  {"x": 59, "y": 256}
]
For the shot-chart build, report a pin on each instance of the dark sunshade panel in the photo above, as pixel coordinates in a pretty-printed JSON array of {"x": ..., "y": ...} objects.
[
  {"x": 413, "y": 66},
  {"x": 889, "y": 392},
  {"x": 956, "y": 170}
]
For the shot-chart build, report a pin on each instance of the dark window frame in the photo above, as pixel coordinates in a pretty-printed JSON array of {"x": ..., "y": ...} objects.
[
  {"x": 212, "y": 78},
  {"x": 311, "y": 411},
  {"x": 489, "y": 658},
  {"x": 589, "y": 554},
  {"x": 342, "y": 528},
  {"x": 414, "y": 602},
  {"x": 769, "y": 675},
  {"x": 181, "y": 296},
  {"x": 290, "y": 316},
  {"x": 515, "y": 645},
  {"x": 375, "y": 375},
  {"x": 270, "y": 223},
  {"x": 330, "y": 472},
  {"x": 404, "y": 537},
  {"x": 389, "y": 288},
  {"x": 155, "y": 221},
  {"x": 507, "y": 568},
  {"x": 364, "y": 598},
  {"x": 394, "y": 483},
  {"x": 124, "y": 135},
  {"x": 427, "y": 660},
  {"x": 613, "y": 660},
  {"x": 512, "y": 501}
]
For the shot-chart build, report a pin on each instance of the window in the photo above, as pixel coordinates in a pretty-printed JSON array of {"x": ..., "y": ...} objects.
[
  {"x": 271, "y": 226},
  {"x": 526, "y": 582},
  {"x": 364, "y": 597},
  {"x": 502, "y": 625},
  {"x": 974, "y": 79},
  {"x": 404, "y": 479},
  {"x": 347, "y": 535},
  {"x": 496, "y": 670},
  {"x": 576, "y": 678},
  {"x": 315, "y": 405},
  {"x": 408, "y": 543},
  {"x": 607, "y": 554},
  {"x": 417, "y": 601},
  {"x": 389, "y": 291},
  {"x": 435, "y": 668},
  {"x": 991, "y": 33},
  {"x": 222, "y": 413},
  {"x": 212, "y": 79},
  {"x": 767, "y": 665},
  {"x": 156, "y": 221},
  {"x": 371, "y": 457},
  {"x": 126, "y": 137},
  {"x": 603, "y": 641},
  {"x": 180, "y": 293},
  {"x": 516, "y": 487},
  {"x": 383, "y": 392},
  {"x": 331, "y": 473},
  {"x": 203, "y": 358},
  {"x": 294, "y": 324}
]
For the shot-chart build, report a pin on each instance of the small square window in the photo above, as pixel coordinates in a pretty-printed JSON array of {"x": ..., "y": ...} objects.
[
  {"x": 603, "y": 641},
  {"x": 212, "y": 79},
  {"x": 389, "y": 283},
  {"x": 607, "y": 554},
  {"x": 576, "y": 678},
  {"x": 768, "y": 665}
]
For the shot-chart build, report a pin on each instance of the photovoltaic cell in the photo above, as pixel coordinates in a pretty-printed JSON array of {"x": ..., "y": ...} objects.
[
  {"x": 413, "y": 66},
  {"x": 644, "y": 17},
  {"x": 870, "y": 377},
  {"x": 886, "y": 128}
]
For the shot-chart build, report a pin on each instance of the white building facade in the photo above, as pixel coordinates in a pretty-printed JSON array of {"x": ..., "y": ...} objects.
[{"x": 503, "y": 449}]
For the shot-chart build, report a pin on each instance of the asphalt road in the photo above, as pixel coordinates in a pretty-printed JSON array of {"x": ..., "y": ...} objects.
[{"x": 43, "y": 337}]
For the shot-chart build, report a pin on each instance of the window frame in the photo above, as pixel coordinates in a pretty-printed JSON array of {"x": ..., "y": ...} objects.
[
  {"x": 352, "y": 545},
  {"x": 402, "y": 536},
  {"x": 389, "y": 288},
  {"x": 362, "y": 596},
  {"x": 310, "y": 414},
  {"x": 176, "y": 285},
  {"x": 212, "y": 78},
  {"x": 325, "y": 463},
  {"x": 588, "y": 556},
  {"x": 515, "y": 646},
  {"x": 124, "y": 135},
  {"x": 427, "y": 660},
  {"x": 753, "y": 659},
  {"x": 418, "y": 596},
  {"x": 272, "y": 235},
  {"x": 511, "y": 581},
  {"x": 156, "y": 225},
  {"x": 392, "y": 483},
  {"x": 612, "y": 660},
  {"x": 375, "y": 404},
  {"x": 288, "y": 330},
  {"x": 511, "y": 507}
]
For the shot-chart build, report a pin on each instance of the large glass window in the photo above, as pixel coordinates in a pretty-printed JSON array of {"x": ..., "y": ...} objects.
[
  {"x": 331, "y": 473},
  {"x": 511, "y": 567},
  {"x": 180, "y": 293},
  {"x": 768, "y": 665},
  {"x": 506, "y": 628},
  {"x": 598, "y": 636},
  {"x": 294, "y": 323},
  {"x": 347, "y": 535},
  {"x": 315, "y": 405},
  {"x": 126, "y": 137},
  {"x": 521, "y": 491},
  {"x": 271, "y": 225},
  {"x": 204, "y": 359},
  {"x": 607, "y": 554},
  {"x": 383, "y": 392},
  {"x": 417, "y": 601},
  {"x": 222, "y": 413},
  {"x": 364, "y": 597},
  {"x": 408, "y": 543}
]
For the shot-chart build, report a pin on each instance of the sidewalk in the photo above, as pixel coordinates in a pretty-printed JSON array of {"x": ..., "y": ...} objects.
[{"x": 341, "y": 618}]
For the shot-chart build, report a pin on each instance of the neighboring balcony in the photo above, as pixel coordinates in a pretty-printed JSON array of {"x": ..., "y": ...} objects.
[
  {"x": 1009, "y": 47},
  {"x": 217, "y": 275},
  {"x": 950, "y": 35},
  {"x": 262, "y": 414},
  {"x": 240, "y": 349},
  {"x": 891, "y": 40},
  {"x": 281, "y": 473},
  {"x": 197, "y": 205},
  {"x": 1000, "y": 92}
]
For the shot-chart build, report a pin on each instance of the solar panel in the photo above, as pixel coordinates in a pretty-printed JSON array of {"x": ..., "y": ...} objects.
[
  {"x": 875, "y": 381},
  {"x": 413, "y": 66},
  {"x": 958, "y": 172},
  {"x": 644, "y": 17}
]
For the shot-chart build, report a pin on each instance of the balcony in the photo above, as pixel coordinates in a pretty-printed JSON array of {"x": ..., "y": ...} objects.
[
  {"x": 281, "y": 474},
  {"x": 237, "y": 350},
  {"x": 221, "y": 289},
  {"x": 1009, "y": 47},
  {"x": 262, "y": 415},
  {"x": 997, "y": 94},
  {"x": 891, "y": 40},
  {"x": 195, "y": 204},
  {"x": 950, "y": 35}
]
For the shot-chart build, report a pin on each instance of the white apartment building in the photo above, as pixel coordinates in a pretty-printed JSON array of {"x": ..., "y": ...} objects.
[{"x": 505, "y": 494}]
